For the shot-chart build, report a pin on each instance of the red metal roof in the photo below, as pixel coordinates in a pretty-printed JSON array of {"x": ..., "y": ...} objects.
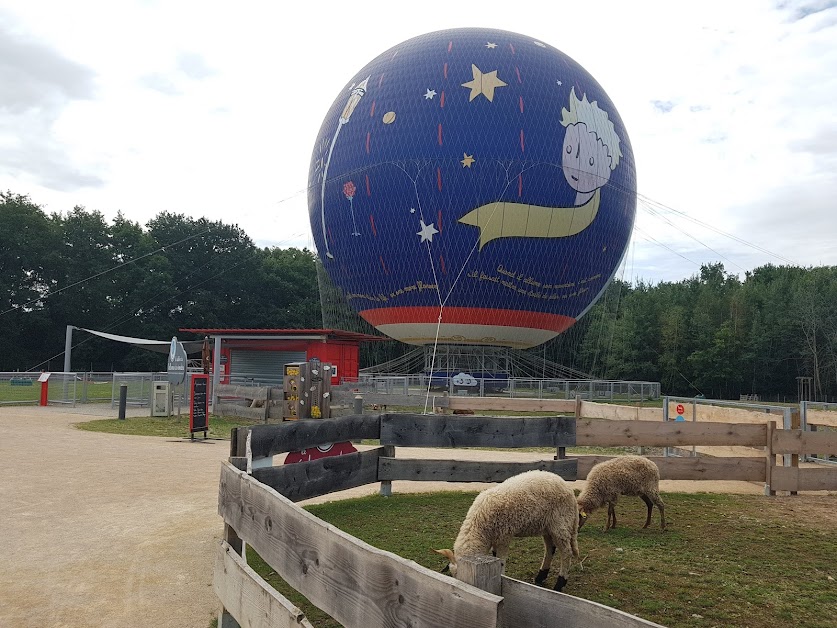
[{"x": 337, "y": 334}]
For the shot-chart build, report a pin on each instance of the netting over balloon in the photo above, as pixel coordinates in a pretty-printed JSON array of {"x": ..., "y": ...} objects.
[{"x": 472, "y": 186}]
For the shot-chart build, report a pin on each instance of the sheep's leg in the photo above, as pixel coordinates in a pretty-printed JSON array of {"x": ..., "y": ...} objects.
[
  {"x": 650, "y": 505},
  {"x": 611, "y": 516},
  {"x": 655, "y": 497},
  {"x": 548, "y": 553},
  {"x": 565, "y": 559},
  {"x": 501, "y": 551}
]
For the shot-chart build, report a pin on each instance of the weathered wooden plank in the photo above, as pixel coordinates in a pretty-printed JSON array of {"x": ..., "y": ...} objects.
[
  {"x": 242, "y": 392},
  {"x": 605, "y": 433},
  {"x": 537, "y": 607},
  {"x": 804, "y": 479},
  {"x": 302, "y": 480},
  {"x": 269, "y": 440},
  {"x": 799, "y": 442},
  {"x": 614, "y": 412},
  {"x": 698, "y": 468},
  {"x": 231, "y": 409},
  {"x": 249, "y": 598},
  {"x": 467, "y": 470},
  {"x": 422, "y": 430},
  {"x": 357, "y": 584},
  {"x": 558, "y": 406}
]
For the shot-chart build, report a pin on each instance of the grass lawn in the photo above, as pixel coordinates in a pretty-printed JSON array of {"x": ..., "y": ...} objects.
[
  {"x": 727, "y": 560},
  {"x": 171, "y": 427}
]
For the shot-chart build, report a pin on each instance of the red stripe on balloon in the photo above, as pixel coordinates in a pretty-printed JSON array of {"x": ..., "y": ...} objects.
[
  {"x": 368, "y": 187},
  {"x": 511, "y": 47},
  {"x": 442, "y": 264},
  {"x": 439, "y": 221},
  {"x": 372, "y": 109},
  {"x": 520, "y": 185},
  {"x": 381, "y": 78},
  {"x": 522, "y": 144},
  {"x": 467, "y": 316},
  {"x": 440, "y": 134},
  {"x": 439, "y": 178},
  {"x": 368, "y": 137},
  {"x": 384, "y": 266},
  {"x": 442, "y": 100},
  {"x": 517, "y": 71},
  {"x": 450, "y": 45},
  {"x": 521, "y": 104},
  {"x": 445, "y": 70},
  {"x": 372, "y": 221}
]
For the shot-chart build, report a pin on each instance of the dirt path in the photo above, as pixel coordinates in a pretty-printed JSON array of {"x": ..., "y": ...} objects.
[{"x": 109, "y": 530}]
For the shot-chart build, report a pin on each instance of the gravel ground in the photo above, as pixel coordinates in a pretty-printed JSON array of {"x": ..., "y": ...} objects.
[{"x": 110, "y": 530}]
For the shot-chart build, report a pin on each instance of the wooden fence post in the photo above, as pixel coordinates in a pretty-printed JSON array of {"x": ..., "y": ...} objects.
[
  {"x": 481, "y": 571},
  {"x": 386, "y": 485},
  {"x": 238, "y": 458},
  {"x": 796, "y": 423},
  {"x": 770, "y": 459}
]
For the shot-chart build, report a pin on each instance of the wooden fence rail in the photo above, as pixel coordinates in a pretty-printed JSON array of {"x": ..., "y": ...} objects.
[{"x": 360, "y": 585}]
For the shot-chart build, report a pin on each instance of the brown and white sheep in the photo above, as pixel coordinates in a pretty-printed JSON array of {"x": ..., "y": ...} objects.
[
  {"x": 623, "y": 475},
  {"x": 533, "y": 503}
]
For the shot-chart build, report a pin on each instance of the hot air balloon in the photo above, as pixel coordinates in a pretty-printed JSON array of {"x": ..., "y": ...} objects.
[{"x": 472, "y": 186}]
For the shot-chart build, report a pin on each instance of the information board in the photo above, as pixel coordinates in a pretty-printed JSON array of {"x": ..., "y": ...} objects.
[{"x": 199, "y": 405}]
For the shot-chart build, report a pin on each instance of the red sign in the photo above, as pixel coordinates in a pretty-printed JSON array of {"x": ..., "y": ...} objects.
[
  {"x": 680, "y": 408},
  {"x": 320, "y": 451}
]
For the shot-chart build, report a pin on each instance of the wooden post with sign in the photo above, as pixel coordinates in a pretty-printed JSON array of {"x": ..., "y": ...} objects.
[{"x": 199, "y": 405}]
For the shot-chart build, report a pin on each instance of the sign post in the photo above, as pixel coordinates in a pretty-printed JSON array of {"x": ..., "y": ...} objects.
[
  {"x": 199, "y": 405},
  {"x": 44, "y": 379},
  {"x": 177, "y": 362}
]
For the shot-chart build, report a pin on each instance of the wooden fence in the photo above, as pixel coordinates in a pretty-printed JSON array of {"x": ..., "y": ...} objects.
[{"x": 360, "y": 585}]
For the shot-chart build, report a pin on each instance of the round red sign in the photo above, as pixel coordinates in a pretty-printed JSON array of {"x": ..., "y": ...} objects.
[{"x": 680, "y": 408}]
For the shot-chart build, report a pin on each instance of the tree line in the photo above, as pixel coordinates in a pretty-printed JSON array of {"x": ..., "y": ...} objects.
[
  {"x": 76, "y": 268},
  {"x": 714, "y": 334},
  {"x": 711, "y": 334}
]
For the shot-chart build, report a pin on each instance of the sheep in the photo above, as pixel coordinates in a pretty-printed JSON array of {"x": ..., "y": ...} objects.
[
  {"x": 623, "y": 475},
  {"x": 531, "y": 503}
]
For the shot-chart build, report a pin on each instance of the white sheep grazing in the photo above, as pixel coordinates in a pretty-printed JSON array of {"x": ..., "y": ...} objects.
[
  {"x": 532, "y": 503},
  {"x": 623, "y": 475}
]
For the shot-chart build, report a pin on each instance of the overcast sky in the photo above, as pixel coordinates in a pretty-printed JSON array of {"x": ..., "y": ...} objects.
[{"x": 212, "y": 109}]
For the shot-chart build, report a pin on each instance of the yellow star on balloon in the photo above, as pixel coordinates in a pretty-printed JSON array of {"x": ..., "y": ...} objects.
[
  {"x": 468, "y": 160},
  {"x": 484, "y": 84}
]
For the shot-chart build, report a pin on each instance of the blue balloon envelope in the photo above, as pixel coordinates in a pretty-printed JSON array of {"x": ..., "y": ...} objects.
[{"x": 472, "y": 186}]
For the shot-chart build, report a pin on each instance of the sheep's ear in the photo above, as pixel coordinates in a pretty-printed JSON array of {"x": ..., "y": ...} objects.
[{"x": 446, "y": 553}]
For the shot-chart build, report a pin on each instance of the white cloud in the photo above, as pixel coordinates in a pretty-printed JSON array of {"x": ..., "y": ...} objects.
[{"x": 212, "y": 110}]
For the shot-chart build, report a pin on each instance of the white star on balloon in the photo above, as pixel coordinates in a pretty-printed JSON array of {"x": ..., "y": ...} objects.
[
  {"x": 490, "y": 45},
  {"x": 429, "y": 94},
  {"x": 427, "y": 232}
]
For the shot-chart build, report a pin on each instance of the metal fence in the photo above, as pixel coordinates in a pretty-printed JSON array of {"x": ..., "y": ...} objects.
[
  {"x": 19, "y": 388},
  {"x": 591, "y": 390},
  {"x": 141, "y": 386}
]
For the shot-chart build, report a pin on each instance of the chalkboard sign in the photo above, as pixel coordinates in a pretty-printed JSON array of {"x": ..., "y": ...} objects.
[{"x": 199, "y": 406}]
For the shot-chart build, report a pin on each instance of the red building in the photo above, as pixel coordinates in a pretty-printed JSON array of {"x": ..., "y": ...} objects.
[{"x": 259, "y": 355}]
